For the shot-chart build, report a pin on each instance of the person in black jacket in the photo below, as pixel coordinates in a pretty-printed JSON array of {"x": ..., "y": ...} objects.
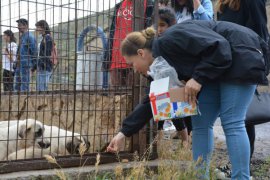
[
  {"x": 44, "y": 64},
  {"x": 221, "y": 63},
  {"x": 251, "y": 14}
]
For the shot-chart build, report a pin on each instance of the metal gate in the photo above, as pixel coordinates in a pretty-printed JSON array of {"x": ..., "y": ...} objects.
[{"x": 68, "y": 108}]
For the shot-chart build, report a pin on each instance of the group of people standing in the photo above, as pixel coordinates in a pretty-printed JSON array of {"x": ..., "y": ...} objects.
[
  {"x": 22, "y": 59},
  {"x": 218, "y": 66}
]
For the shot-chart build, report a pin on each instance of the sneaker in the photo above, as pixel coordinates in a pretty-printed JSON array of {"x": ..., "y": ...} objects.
[
  {"x": 223, "y": 172},
  {"x": 220, "y": 175},
  {"x": 168, "y": 129}
]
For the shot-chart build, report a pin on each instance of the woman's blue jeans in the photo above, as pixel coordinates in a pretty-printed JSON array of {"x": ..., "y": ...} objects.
[
  {"x": 43, "y": 78},
  {"x": 229, "y": 102},
  {"x": 22, "y": 79}
]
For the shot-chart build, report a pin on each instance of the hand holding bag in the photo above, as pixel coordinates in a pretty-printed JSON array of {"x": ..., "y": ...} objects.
[{"x": 259, "y": 109}]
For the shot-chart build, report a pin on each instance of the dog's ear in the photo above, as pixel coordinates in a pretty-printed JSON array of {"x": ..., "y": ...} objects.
[
  {"x": 87, "y": 143},
  {"x": 70, "y": 147},
  {"x": 22, "y": 130}
]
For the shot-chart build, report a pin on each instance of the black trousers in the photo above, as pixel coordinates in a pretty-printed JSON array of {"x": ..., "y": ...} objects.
[
  {"x": 8, "y": 78},
  {"x": 251, "y": 136}
]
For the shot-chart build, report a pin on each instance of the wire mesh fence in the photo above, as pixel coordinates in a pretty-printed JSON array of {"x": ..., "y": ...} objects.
[{"x": 65, "y": 88}]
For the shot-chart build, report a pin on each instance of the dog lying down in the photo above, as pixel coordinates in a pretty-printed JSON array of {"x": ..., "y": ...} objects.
[
  {"x": 12, "y": 133},
  {"x": 60, "y": 142}
]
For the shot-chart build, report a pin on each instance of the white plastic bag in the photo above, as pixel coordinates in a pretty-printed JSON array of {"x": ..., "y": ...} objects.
[{"x": 160, "y": 68}]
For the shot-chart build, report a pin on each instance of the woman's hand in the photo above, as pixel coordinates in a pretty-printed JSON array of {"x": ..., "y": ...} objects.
[
  {"x": 196, "y": 4},
  {"x": 192, "y": 89},
  {"x": 117, "y": 143}
]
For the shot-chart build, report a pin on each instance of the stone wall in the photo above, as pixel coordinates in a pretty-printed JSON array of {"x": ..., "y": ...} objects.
[{"x": 95, "y": 115}]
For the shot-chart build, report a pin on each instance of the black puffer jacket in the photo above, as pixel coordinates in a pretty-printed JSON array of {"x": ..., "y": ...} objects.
[
  {"x": 252, "y": 14},
  {"x": 45, "y": 51},
  {"x": 213, "y": 51},
  {"x": 206, "y": 51}
]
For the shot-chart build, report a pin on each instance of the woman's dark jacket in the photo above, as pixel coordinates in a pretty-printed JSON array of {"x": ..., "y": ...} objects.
[
  {"x": 213, "y": 51},
  {"x": 148, "y": 22},
  {"x": 206, "y": 51},
  {"x": 44, "y": 60},
  {"x": 252, "y": 14}
]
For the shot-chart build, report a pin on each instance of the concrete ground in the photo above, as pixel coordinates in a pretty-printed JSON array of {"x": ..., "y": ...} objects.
[{"x": 262, "y": 142}]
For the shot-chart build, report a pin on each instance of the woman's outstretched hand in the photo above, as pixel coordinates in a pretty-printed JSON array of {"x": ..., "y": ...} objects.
[
  {"x": 192, "y": 89},
  {"x": 117, "y": 143}
]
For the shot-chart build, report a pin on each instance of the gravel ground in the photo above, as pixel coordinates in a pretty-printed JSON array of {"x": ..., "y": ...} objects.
[{"x": 260, "y": 163}]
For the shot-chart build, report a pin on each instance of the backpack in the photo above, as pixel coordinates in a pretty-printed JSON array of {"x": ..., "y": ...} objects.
[{"x": 54, "y": 53}]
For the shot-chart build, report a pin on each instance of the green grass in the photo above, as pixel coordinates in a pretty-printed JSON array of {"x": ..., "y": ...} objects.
[{"x": 263, "y": 169}]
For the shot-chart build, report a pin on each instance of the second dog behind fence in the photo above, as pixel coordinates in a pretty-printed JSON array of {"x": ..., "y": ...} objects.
[{"x": 53, "y": 141}]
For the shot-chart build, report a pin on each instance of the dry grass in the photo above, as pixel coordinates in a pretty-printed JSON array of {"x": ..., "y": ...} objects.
[
  {"x": 175, "y": 163},
  {"x": 59, "y": 173}
]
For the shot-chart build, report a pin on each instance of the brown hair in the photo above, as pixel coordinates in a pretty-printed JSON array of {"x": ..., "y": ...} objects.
[
  {"x": 137, "y": 40},
  {"x": 11, "y": 35},
  {"x": 232, "y": 4},
  {"x": 44, "y": 25}
]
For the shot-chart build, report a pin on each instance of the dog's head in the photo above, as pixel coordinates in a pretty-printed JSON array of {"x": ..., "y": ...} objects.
[
  {"x": 78, "y": 142},
  {"x": 29, "y": 131}
]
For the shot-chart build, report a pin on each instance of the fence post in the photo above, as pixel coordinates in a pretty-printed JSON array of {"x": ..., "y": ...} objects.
[
  {"x": 75, "y": 73},
  {"x": 1, "y": 46},
  {"x": 139, "y": 140}
]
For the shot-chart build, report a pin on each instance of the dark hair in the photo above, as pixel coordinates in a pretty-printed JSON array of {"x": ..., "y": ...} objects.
[
  {"x": 44, "y": 25},
  {"x": 167, "y": 15},
  {"x": 232, "y": 4},
  {"x": 23, "y": 21},
  {"x": 165, "y": 2},
  {"x": 10, "y": 34},
  {"x": 137, "y": 40},
  {"x": 177, "y": 7}
]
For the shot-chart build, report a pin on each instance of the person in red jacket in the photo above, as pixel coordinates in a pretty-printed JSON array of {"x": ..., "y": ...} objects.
[{"x": 121, "y": 74}]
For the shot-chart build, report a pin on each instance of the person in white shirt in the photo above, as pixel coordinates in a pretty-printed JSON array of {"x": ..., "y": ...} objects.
[{"x": 9, "y": 57}]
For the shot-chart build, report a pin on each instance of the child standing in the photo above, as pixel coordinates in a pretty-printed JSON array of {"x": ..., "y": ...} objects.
[
  {"x": 167, "y": 19},
  {"x": 121, "y": 73}
]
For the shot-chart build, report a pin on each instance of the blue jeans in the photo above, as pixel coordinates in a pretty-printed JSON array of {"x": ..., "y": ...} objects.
[
  {"x": 22, "y": 79},
  {"x": 230, "y": 102},
  {"x": 43, "y": 78}
]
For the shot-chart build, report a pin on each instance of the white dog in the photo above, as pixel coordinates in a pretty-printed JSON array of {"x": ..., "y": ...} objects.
[
  {"x": 16, "y": 135},
  {"x": 61, "y": 144}
]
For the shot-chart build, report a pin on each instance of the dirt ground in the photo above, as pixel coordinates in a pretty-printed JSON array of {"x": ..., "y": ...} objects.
[{"x": 260, "y": 163}]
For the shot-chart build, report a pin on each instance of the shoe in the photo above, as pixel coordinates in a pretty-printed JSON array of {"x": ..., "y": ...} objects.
[
  {"x": 220, "y": 175},
  {"x": 223, "y": 172}
]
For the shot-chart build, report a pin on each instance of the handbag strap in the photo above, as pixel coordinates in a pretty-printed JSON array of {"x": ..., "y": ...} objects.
[{"x": 256, "y": 92}]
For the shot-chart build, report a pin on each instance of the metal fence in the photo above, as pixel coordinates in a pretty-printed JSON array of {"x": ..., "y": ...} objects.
[{"x": 74, "y": 105}]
